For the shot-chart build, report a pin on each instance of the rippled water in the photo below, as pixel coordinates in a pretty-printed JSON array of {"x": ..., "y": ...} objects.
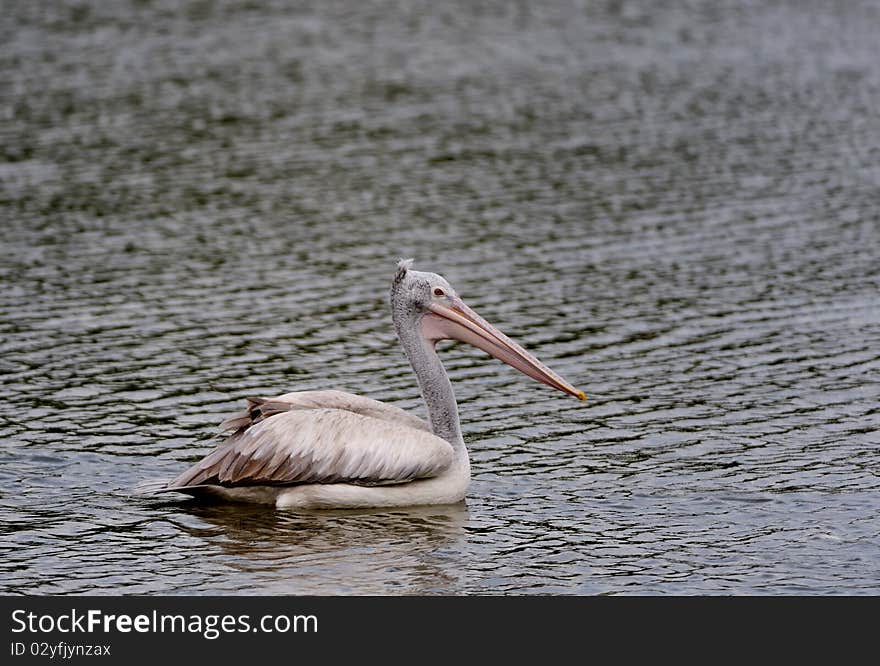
[{"x": 674, "y": 207}]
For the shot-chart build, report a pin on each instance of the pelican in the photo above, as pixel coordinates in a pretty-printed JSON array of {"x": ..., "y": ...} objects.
[{"x": 334, "y": 450}]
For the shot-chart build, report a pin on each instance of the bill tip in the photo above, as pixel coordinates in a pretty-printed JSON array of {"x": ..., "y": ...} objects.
[{"x": 581, "y": 395}]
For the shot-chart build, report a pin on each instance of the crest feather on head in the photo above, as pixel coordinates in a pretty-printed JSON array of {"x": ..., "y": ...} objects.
[{"x": 402, "y": 267}]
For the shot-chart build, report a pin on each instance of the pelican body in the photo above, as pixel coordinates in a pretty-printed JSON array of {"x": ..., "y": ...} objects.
[{"x": 334, "y": 450}]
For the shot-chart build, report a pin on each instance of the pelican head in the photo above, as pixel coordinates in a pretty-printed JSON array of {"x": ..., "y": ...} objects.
[{"x": 428, "y": 304}]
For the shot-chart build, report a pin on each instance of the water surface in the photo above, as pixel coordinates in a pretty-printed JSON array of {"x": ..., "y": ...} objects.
[{"x": 675, "y": 207}]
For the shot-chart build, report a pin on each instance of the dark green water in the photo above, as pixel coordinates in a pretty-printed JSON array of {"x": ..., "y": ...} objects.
[{"x": 676, "y": 206}]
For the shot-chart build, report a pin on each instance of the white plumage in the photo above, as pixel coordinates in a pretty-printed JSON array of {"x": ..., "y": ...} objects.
[
  {"x": 330, "y": 449},
  {"x": 325, "y": 437}
]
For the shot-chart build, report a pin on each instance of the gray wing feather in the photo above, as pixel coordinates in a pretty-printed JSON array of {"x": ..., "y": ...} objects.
[
  {"x": 259, "y": 409},
  {"x": 323, "y": 445}
]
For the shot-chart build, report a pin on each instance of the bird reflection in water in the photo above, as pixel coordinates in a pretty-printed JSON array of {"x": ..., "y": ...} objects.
[{"x": 403, "y": 550}]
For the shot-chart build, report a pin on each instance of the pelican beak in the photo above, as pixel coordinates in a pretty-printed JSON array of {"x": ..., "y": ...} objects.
[{"x": 454, "y": 320}]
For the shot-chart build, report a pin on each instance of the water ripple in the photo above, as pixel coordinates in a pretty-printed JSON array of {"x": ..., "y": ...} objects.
[{"x": 674, "y": 208}]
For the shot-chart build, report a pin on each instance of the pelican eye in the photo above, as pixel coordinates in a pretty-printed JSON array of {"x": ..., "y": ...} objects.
[{"x": 439, "y": 292}]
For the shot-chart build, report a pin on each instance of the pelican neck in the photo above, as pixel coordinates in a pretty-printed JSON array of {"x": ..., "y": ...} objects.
[{"x": 436, "y": 389}]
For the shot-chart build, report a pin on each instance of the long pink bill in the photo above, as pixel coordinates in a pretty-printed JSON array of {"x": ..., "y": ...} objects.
[{"x": 456, "y": 321}]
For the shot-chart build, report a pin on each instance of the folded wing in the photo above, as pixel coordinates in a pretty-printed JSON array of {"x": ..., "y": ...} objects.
[
  {"x": 355, "y": 440},
  {"x": 261, "y": 408}
]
